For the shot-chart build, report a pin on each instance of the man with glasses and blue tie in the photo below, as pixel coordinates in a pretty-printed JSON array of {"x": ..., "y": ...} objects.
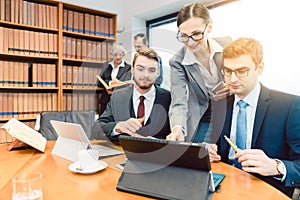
[
  {"x": 195, "y": 71},
  {"x": 263, "y": 123}
]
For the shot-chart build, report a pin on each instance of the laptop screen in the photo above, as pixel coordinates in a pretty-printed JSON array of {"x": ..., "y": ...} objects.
[{"x": 163, "y": 152}]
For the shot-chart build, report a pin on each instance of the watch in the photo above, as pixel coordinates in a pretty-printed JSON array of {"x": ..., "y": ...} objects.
[{"x": 280, "y": 169}]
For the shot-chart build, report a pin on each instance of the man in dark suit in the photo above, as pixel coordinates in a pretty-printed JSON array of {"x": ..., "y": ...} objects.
[
  {"x": 266, "y": 129},
  {"x": 113, "y": 72},
  {"x": 120, "y": 116}
]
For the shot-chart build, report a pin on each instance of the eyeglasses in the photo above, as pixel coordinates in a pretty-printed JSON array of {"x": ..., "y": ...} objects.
[
  {"x": 241, "y": 72},
  {"x": 196, "y": 36}
]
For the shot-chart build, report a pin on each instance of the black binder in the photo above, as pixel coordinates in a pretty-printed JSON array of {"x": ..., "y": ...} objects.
[{"x": 165, "y": 169}]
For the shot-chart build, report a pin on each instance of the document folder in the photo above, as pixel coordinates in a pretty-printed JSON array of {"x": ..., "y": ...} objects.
[{"x": 164, "y": 169}]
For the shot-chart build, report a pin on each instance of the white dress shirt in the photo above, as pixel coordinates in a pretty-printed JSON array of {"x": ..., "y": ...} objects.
[
  {"x": 148, "y": 102},
  {"x": 211, "y": 78},
  {"x": 252, "y": 100},
  {"x": 115, "y": 70}
]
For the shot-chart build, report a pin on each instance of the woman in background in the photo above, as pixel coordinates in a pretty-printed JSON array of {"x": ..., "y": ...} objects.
[
  {"x": 113, "y": 72},
  {"x": 195, "y": 71}
]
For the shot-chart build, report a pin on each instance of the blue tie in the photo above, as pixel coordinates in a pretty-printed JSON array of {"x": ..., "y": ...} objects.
[{"x": 241, "y": 128}]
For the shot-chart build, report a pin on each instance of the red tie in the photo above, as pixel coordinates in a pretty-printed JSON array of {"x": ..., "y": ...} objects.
[{"x": 141, "y": 108}]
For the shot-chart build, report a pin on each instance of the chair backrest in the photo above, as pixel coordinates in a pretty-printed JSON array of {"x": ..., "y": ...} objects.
[{"x": 85, "y": 118}]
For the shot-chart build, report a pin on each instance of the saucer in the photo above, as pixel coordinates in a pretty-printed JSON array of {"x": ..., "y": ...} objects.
[{"x": 75, "y": 167}]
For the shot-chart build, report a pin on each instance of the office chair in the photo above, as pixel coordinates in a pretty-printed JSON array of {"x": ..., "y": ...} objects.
[{"x": 85, "y": 118}]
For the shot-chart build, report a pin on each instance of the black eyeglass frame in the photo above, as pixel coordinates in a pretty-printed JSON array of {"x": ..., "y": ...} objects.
[
  {"x": 179, "y": 38},
  {"x": 236, "y": 72}
]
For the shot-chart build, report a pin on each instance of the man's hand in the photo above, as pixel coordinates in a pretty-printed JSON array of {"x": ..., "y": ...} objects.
[
  {"x": 129, "y": 126},
  {"x": 212, "y": 150},
  {"x": 256, "y": 161},
  {"x": 176, "y": 135}
]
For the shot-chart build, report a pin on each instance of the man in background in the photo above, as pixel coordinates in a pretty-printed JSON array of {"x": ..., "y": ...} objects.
[
  {"x": 141, "y": 41},
  {"x": 139, "y": 110}
]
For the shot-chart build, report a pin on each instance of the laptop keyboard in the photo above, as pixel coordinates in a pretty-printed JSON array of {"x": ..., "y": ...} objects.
[{"x": 158, "y": 140}]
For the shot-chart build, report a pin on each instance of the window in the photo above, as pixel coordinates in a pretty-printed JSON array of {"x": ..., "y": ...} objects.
[{"x": 272, "y": 23}]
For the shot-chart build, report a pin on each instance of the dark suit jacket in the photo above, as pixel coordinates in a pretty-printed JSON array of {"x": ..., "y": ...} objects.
[
  {"x": 124, "y": 74},
  {"x": 120, "y": 108},
  {"x": 276, "y": 131}
]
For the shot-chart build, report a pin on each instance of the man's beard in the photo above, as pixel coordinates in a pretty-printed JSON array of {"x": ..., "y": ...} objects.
[{"x": 144, "y": 87}]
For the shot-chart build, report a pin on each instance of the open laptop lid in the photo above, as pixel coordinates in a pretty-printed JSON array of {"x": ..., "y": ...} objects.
[
  {"x": 165, "y": 169},
  {"x": 71, "y": 139},
  {"x": 178, "y": 154}
]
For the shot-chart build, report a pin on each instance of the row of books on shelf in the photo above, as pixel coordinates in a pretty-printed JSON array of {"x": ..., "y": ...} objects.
[
  {"x": 88, "y": 23},
  {"x": 79, "y": 76},
  {"x": 26, "y": 105},
  {"x": 22, "y": 74},
  {"x": 29, "y": 13},
  {"x": 80, "y": 101},
  {"x": 4, "y": 136},
  {"x": 43, "y": 75},
  {"x": 82, "y": 49},
  {"x": 26, "y": 42},
  {"x": 14, "y": 74}
]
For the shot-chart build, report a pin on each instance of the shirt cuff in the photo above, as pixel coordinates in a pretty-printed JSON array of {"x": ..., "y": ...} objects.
[
  {"x": 114, "y": 132},
  {"x": 284, "y": 172}
]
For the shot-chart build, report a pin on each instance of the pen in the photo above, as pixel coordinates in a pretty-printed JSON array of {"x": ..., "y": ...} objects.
[
  {"x": 141, "y": 120},
  {"x": 231, "y": 144}
]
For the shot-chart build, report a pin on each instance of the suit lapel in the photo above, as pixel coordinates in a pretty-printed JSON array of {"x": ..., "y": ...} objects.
[
  {"x": 132, "y": 114},
  {"x": 194, "y": 71},
  {"x": 122, "y": 71},
  {"x": 196, "y": 75},
  {"x": 262, "y": 106},
  {"x": 155, "y": 124},
  {"x": 157, "y": 100},
  {"x": 227, "y": 125},
  {"x": 219, "y": 63}
]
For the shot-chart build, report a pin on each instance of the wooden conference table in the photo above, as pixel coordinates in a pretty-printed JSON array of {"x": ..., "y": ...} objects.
[{"x": 60, "y": 183}]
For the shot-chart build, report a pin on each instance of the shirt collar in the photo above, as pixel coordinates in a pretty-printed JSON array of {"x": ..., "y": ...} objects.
[
  {"x": 121, "y": 65},
  {"x": 190, "y": 59},
  {"x": 251, "y": 98},
  {"x": 148, "y": 95}
]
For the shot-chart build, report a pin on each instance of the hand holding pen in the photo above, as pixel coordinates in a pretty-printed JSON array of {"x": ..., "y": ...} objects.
[{"x": 230, "y": 142}]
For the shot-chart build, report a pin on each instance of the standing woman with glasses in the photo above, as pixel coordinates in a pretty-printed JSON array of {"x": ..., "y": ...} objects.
[{"x": 195, "y": 71}]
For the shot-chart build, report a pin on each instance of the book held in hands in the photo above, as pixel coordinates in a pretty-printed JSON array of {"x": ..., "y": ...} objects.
[{"x": 107, "y": 87}]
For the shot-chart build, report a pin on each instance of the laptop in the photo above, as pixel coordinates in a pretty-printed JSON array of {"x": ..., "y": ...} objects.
[
  {"x": 72, "y": 138},
  {"x": 167, "y": 169}
]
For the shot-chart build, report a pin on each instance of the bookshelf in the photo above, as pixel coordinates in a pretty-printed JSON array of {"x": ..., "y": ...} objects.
[{"x": 50, "y": 56}]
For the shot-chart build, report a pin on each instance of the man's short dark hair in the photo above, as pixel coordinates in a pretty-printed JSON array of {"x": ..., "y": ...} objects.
[{"x": 143, "y": 36}]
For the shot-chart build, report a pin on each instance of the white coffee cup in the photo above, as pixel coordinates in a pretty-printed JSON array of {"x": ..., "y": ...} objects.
[{"x": 88, "y": 159}]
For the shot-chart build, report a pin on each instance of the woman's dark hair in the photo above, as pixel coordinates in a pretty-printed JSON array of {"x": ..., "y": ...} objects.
[{"x": 193, "y": 10}]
